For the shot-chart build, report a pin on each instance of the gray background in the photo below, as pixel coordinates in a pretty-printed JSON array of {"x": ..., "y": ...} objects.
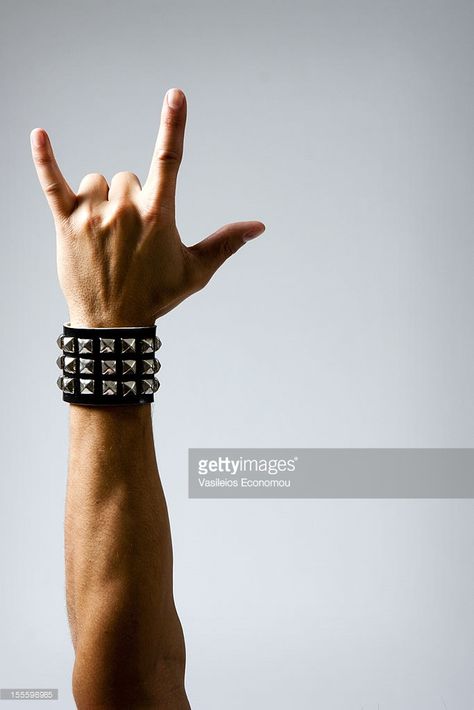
[{"x": 346, "y": 127}]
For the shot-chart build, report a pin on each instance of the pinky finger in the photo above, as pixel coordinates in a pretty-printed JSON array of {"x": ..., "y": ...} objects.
[{"x": 56, "y": 189}]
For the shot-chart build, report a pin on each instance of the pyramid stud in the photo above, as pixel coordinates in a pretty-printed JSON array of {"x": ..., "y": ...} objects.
[
  {"x": 156, "y": 385},
  {"x": 59, "y": 382},
  {"x": 128, "y": 345},
  {"x": 147, "y": 387},
  {"x": 129, "y": 387},
  {"x": 129, "y": 366},
  {"x": 87, "y": 386},
  {"x": 109, "y": 367},
  {"x": 106, "y": 345},
  {"x": 59, "y": 341},
  {"x": 68, "y": 344},
  {"x": 86, "y": 366},
  {"x": 148, "y": 367},
  {"x": 109, "y": 387},
  {"x": 70, "y": 364},
  {"x": 60, "y": 361},
  {"x": 147, "y": 345},
  {"x": 157, "y": 365},
  {"x": 157, "y": 343},
  {"x": 68, "y": 384},
  {"x": 84, "y": 345}
]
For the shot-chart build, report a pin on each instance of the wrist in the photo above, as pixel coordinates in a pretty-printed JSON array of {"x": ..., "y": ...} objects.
[
  {"x": 124, "y": 412},
  {"x": 109, "y": 320}
]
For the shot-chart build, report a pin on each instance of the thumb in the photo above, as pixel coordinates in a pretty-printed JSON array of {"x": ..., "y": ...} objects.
[{"x": 220, "y": 245}]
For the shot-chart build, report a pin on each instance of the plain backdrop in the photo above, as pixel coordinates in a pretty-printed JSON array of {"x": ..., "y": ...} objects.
[{"x": 345, "y": 126}]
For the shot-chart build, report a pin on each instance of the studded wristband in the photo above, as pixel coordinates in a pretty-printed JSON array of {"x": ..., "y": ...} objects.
[{"x": 108, "y": 365}]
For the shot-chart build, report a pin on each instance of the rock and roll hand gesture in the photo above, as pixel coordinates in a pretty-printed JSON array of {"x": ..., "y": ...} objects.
[{"x": 120, "y": 258}]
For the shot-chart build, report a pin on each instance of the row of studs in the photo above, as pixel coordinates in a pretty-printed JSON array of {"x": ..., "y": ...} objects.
[
  {"x": 108, "y": 387},
  {"x": 107, "y": 345},
  {"x": 73, "y": 365}
]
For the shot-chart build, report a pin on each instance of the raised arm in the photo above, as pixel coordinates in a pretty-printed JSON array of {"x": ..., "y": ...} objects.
[
  {"x": 121, "y": 263},
  {"x": 127, "y": 636}
]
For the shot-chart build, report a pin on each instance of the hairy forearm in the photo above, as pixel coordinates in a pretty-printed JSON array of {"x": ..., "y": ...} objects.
[{"x": 124, "y": 626}]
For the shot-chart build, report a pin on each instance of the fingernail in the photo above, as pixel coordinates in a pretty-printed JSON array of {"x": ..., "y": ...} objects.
[
  {"x": 252, "y": 233},
  {"x": 38, "y": 139},
  {"x": 175, "y": 98}
]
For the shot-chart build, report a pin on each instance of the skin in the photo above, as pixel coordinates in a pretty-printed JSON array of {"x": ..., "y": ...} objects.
[{"x": 121, "y": 262}]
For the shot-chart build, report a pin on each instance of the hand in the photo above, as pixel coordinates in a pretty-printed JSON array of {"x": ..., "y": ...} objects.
[{"x": 121, "y": 261}]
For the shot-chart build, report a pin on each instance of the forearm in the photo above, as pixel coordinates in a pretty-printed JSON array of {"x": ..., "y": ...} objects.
[
  {"x": 125, "y": 629},
  {"x": 122, "y": 263}
]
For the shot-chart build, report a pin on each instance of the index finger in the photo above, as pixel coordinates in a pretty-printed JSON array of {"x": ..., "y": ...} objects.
[
  {"x": 160, "y": 185},
  {"x": 57, "y": 191}
]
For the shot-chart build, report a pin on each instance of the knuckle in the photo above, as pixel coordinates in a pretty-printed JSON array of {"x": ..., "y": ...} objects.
[
  {"x": 87, "y": 218},
  {"x": 52, "y": 189},
  {"x": 172, "y": 119},
  {"x": 124, "y": 175},
  {"x": 90, "y": 221},
  {"x": 42, "y": 159},
  {"x": 227, "y": 249},
  {"x": 92, "y": 180},
  {"x": 94, "y": 177},
  {"x": 151, "y": 214},
  {"x": 161, "y": 213},
  {"x": 125, "y": 210},
  {"x": 168, "y": 156}
]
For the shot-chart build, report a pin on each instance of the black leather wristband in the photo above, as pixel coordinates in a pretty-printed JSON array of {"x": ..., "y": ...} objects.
[{"x": 104, "y": 366}]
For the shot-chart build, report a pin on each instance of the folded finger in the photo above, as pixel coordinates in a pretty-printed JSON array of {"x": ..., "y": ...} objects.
[
  {"x": 93, "y": 189},
  {"x": 124, "y": 184}
]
